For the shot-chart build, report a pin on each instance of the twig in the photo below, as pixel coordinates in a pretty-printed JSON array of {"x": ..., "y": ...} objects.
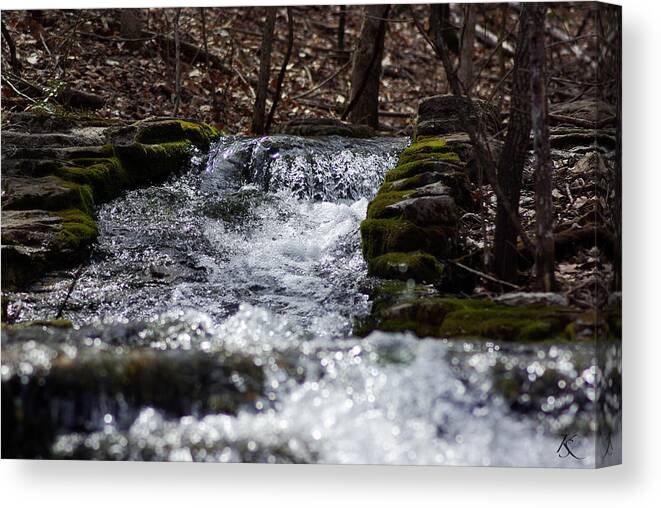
[
  {"x": 76, "y": 277},
  {"x": 320, "y": 85},
  {"x": 483, "y": 275}
]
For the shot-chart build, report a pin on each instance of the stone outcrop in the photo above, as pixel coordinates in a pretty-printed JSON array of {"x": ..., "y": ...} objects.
[
  {"x": 412, "y": 224},
  {"x": 412, "y": 234},
  {"x": 398, "y": 306},
  {"x": 56, "y": 169}
]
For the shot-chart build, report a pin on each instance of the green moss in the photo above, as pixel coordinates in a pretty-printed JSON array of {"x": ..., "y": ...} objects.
[
  {"x": 475, "y": 319},
  {"x": 85, "y": 195},
  {"x": 381, "y": 236},
  {"x": 78, "y": 230},
  {"x": 105, "y": 177},
  {"x": 377, "y": 207},
  {"x": 487, "y": 320},
  {"x": 418, "y": 266},
  {"x": 428, "y": 147},
  {"x": 149, "y": 163},
  {"x": 417, "y": 167},
  {"x": 199, "y": 134}
]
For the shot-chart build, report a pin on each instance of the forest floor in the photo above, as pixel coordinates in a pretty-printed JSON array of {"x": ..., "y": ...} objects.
[{"x": 84, "y": 48}]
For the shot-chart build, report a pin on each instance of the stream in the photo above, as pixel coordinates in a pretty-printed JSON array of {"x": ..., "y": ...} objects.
[{"x": 254, "y": 251}]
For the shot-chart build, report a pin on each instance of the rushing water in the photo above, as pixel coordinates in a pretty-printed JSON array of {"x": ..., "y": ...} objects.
[{"x": 255, "y": 251}]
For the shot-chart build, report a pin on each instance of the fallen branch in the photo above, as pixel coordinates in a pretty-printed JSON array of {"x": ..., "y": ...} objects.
[{"x": 483, "y": 275}]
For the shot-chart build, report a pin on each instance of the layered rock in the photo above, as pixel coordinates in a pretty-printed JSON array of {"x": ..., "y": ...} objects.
[
  {"x": 56, "y": 169},
  {"x": 412, "y": 225}
]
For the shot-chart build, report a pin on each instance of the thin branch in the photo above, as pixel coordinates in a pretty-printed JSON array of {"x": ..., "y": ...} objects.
[
  {"x": 483, "y": 275},
  {"x": 320, "y": 85}
]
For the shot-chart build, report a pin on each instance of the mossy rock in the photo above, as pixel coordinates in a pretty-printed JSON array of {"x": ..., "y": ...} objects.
[
  {"x": 78, "y": 230},
  {"x": 471, "y": 318},
  {"x": 432, "y": 147},
  {"x": 509, "y": 324},
  {"x": 45, "y": 193},
  {"x": 418, "y": 266},
  {"x": 66, "y": 396},
  {"x": 106, "y": 177},
  {"x": 41, "y": 323},
  {"x": 422, "y": 165},
  {"x": 377, "y": 209},
  {"x": 168, "y": 131},
  {"x": 382, "y": 236}
]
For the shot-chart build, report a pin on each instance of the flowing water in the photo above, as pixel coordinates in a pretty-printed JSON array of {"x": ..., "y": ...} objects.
[{"x": 255, "y": 252}]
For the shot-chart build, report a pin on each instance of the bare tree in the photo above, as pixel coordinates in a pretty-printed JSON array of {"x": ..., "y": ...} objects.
[
  {"x": 545, "y": 247},
  {"x": 259, "y": 112},
  {"x": 513, "y": 156},
  {"x": 465, "y": 71},
  {"x": 363, "y": 107}
]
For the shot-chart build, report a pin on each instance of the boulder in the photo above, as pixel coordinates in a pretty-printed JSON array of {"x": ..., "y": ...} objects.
[{"x": 426, "y": 210}]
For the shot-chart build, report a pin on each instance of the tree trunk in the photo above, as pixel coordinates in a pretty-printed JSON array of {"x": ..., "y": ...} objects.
[
  {"x": 544, "y": 252},
  {"x": 342, "y": 55},
  {"x": 283, "y": 69},
  {"x": 259, "y": 112},
  {"x": 465, "y": 72},
  {"x": 13, "y": 60},
  {"x": 363, "y": 105},
  {"x": 177, "y": 62},
  {"x": 439, "y": 25},
  {"x": 513, "y": 156}
]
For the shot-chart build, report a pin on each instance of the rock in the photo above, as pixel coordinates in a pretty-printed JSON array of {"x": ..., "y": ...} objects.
[
  {"x": 36, "y": 240},
  {"x": 324, "y": 127},
  {"x": 436, "y": 188},
  {"x": 520, "y": 299},
  {"x": 426, "y": 210},
  {"x": 441, "y": 114},
  {"x": 575, "y": 138},
  {"x": 418, "y": 266},
  {"x": 588, "y": 113},
  {"x": 56, "y": 168},
  {"x": 46, "y": 193}
]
